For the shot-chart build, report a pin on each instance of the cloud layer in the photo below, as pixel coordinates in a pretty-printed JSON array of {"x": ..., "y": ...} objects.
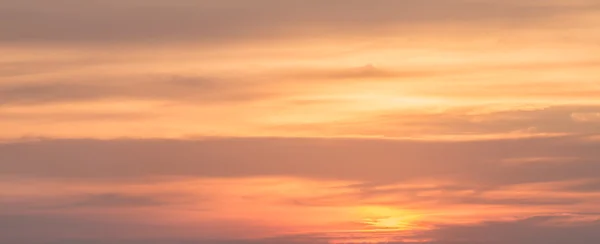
[
  {"x": 441, "y": 192},
  {"x": 207, "y": 21},
  {"x": 299, "y": 121}
]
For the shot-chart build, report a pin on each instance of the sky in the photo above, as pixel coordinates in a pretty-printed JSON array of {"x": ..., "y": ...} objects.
[{"x": 299, "y": 121}]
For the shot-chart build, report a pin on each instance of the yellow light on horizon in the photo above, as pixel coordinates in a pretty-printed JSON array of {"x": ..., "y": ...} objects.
[{"x": 386, "y": 218}]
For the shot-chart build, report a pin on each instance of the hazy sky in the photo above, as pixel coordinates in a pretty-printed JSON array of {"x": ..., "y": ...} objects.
[{"x": 299, "y": 121}]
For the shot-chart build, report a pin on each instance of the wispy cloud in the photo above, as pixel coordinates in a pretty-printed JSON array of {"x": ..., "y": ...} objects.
[{"x": 173, "y": 89}]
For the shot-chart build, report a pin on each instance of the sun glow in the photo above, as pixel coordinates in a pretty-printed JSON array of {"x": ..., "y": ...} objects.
[
  {"x": 384, "y": 218},
  {"x": 388, "y": 223}
]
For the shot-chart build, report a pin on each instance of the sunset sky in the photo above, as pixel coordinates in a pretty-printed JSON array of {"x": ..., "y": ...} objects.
[{"x": 299, "y": 121}]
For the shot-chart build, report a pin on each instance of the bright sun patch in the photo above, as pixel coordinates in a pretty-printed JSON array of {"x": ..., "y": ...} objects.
[
  {"x": 383, "y": 218},
  {"x": 388, "y": 223}
]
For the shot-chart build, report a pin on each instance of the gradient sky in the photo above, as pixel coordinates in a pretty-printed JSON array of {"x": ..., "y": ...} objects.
[{"x": 299, "y": 121}]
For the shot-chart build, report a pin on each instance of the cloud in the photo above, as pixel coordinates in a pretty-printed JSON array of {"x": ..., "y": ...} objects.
[
  {"x": 588, "y": 186},
  {"x": 534, "y": 230},
  {"x": 368, "y": 71},
  {"x": 550, "y": 229},
  {"x": 111, "y": 186},
  {"x": 73, "y": 116},
  {"x": 586, "y": 117},
  {"x": 173, "y": 89},
  {"x": 11, "y": 69},
  {"x": 42, "y": 228},
  {"x": 233, "y": 20},
  {"x": 362, "y": 160},
  {"x": 411, "y": 194},
  {"x": 459, "y": 122},
  {"x": 459, "y": 69},
  {"x": 397, "y": 74},
  {"x": 551, "y": 119},
  {"x": 52, "y": 228},
  {"x": 116, "y": 200},
  {"x": 77, "y": 201}
]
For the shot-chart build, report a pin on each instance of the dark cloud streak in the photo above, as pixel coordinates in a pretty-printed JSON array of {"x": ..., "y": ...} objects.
[
  {"x": 549, "y": 229},
  {"x": 366, "y": 160},
  {"x": 172, "y": 90},
  {"x": 36, "y": 21}
]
